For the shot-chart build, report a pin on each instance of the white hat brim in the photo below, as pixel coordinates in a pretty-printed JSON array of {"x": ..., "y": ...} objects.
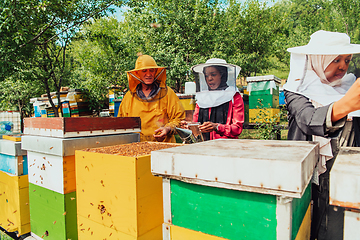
[
  {"x": 199, "y": 68},
  {"x": 319, "y": 50}
]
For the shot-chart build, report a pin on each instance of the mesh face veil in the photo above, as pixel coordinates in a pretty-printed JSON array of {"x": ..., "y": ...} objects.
[{"x": 215, "y": 82}]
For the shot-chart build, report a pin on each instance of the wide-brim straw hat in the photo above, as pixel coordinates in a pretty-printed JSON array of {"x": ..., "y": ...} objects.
[
  {"x": 145, "y": 62},
  {"x": 214, "y": 61},
  {"x": 327, "y": 43}
]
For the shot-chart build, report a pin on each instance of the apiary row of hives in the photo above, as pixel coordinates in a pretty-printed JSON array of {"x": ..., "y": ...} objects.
[{"x": 109, "y": 186}]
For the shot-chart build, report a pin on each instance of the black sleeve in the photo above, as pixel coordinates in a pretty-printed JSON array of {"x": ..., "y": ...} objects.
[{"x": 310, "y": 120}]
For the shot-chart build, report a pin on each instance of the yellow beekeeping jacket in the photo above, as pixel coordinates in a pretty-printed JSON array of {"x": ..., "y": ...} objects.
[{"x": 163, "y": 112}]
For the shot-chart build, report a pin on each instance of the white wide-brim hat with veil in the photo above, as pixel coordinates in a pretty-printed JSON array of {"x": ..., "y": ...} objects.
[
  {"x": 206, "y": 98},
  {"x": 304, "y": 80}
]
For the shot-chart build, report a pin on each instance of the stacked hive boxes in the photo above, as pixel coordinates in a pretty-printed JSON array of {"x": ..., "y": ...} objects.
[
  {"x": 263, "y": 98},
  {"x": 74, "y": 104},
  {"x": 51, "y": 145},
  {"x": 242, "y": 193},
  {"x": 14, "y": 187},
  {"x": 345, "y": 191},
  {"x": 79, "y": 105},
  {"x": 115, "y": 98},
  {"x": 117, "y": 196}
]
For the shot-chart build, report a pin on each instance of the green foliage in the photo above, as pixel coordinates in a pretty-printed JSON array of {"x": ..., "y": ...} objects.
[
  {"x": 251, "y": 41},
  {"x": 267, "y": 124},
  {"x": 178, "y": 34},
  {"x": 48, "y": 44},
  {"x": 100, "y": 55},
  {"x": 34, "y": 36}
]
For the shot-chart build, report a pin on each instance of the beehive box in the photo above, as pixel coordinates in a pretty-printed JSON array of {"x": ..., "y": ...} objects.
[
  {"x": 264, "y": 115},
  {"x": 263, "y": 101},
  {"x": 263, "y": 85},
  {"x": 14, "y": 203},
  {"x": 51, "y": 164},
  {"x": 51, "y": 161},
  {"x": 53, "y": 215},
  {"x": 236, "y": 189},
  {"x": 12, "y": 158},
  {"x": 117, "y": 196},
  {"x": 188, "y": 102},
  {"x": 345, "y": 189},
  {"x": 80, "y": 126}
]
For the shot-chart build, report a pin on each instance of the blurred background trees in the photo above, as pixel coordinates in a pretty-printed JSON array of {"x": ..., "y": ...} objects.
[{"x": 45, "y": 45}]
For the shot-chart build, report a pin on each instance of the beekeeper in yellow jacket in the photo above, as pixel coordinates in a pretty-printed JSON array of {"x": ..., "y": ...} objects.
[{"x": 150, "y": 99}]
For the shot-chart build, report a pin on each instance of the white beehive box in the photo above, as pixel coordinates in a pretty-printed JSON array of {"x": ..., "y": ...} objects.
[
  {"x": 271, "y": 167},
  {"x": 51, "y": 161},
  {"x": 345, "y": 189},
  {"x": 237, "y": 189}
]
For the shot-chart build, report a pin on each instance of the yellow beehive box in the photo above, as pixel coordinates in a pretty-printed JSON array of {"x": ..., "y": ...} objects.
[
  {"x": 264, "y": 115},
  {"x": 15, "y": 138},
  {"x": 117, "y": 196},
  {"x": 180, "y": 233},
  {"x": 14, "y": 203}
]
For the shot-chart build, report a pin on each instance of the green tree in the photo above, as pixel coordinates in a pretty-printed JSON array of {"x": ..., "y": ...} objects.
[
  {"x": 39, "y": 32},
  {"x": 253, "y": 28},
  {"x": 178, "y": 34},
  {"x": 100, "y": 55}
]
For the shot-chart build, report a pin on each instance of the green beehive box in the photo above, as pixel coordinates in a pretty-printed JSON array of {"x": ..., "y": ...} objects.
[
  {"x": 228, "y": 199},
  {"x": 261, "y": 85},
  {"x": 263, "y": 101},
  {"x": 52, "y": 214},
  {"x": 232, "y": 214}
]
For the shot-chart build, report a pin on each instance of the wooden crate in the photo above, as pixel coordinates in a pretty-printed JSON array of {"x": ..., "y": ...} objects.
[
  {"x": 242, "y": 193},
  {"x": 345, "y": 189},
  {"x": 14, "y": 203},
  {"x": 53, "y": 215},
  {"x": 118, "y": 196},
  {"x": 80, "y": 126}
]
